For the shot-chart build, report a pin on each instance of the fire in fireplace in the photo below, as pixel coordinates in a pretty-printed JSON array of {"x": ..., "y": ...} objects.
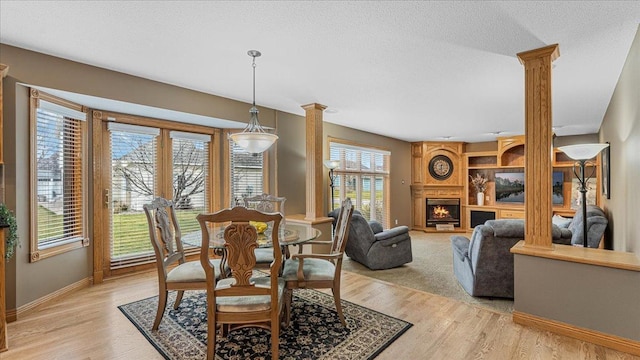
[{"x": 443, "y": 211}]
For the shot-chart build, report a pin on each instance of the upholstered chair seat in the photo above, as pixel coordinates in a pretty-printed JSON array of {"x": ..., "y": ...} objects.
[
  {"x": 264, "y": 256},
  {"x": 241, "y": 304},
  {"x": 313, "y": 269},
  {"x": 191, "y": 271}
]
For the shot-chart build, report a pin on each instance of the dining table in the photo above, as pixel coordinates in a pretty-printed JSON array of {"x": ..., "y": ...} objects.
[{"x": 290, "y": 234}]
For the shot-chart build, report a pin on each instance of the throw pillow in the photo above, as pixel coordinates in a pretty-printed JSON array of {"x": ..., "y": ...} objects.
[{"x": 560, "y": 221}]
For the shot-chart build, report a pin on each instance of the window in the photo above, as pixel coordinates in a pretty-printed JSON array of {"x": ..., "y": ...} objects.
[
  {"x": 363, "y": 176},
  {"x": 190, "y": 178},
  {"x": 58, "y": 176},
  {"x": 136, "y": 179},
  {"x": 246, "y": 172},
  {"x": 134, "y": 165}
]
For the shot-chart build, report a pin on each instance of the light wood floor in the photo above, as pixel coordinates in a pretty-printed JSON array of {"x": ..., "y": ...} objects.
[{"x": 88, "y": 325}]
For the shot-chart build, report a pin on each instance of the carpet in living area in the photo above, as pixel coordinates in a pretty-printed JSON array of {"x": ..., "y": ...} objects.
[
  {"x": 431, "y": 271},
  {"x": 315, "y": 331}
]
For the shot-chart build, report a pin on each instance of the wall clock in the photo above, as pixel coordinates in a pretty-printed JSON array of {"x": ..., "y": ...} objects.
[{"x": 440, "y": 167}]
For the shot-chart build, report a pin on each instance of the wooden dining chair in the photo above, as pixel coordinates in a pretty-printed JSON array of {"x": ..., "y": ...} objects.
[
  {"x": 164, "y": 232},
  {"x": 269, "y": 204},
  {"x": 242, "y": 299},
  {"x": 320, "y": 271}
]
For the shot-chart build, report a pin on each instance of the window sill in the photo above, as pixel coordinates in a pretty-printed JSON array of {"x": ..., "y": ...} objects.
[{"x": 58, "y": 248}]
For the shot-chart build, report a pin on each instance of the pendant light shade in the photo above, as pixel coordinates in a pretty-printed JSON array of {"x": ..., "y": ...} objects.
[{"x": 254, "y": 138}]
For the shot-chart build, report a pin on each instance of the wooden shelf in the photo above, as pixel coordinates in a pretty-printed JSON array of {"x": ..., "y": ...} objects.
[
  {"x": 511, "y": 167},
  {"x": 481, "y": 167}
]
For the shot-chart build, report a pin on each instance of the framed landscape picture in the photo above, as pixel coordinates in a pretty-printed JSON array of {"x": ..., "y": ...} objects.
[
  {"x": 576, "y": 195},
  {"x": 606, "y": 172}
]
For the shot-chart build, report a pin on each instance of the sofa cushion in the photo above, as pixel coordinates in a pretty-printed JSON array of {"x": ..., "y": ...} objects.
[
  {"x": 596, "y": 225},
  {"x": 576, "y": 223},
  {"x": 507, "y": 228}
]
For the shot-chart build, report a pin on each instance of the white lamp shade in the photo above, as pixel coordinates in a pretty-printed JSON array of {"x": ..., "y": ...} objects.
[
  {"x": 583, "y": 151},
  {"x": 332, "y": 164},
  {"x": 254, "y": 142}
]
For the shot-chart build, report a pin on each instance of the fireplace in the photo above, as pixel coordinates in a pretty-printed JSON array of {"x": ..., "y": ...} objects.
[{"x": 443, "y": 211}]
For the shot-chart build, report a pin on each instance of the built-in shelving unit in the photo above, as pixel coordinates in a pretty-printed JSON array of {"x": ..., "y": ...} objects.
[{"x": 509, "y": 157}]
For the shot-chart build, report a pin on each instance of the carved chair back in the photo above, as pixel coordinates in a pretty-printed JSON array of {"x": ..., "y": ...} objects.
[
  {"x": 164, "y": 232},
  {"x": 265, "y": 203}
]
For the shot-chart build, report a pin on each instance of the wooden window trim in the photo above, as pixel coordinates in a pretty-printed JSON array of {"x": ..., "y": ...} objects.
[
  {"x": 37, "y": 251},
  {"x": 101, "y": 160}
]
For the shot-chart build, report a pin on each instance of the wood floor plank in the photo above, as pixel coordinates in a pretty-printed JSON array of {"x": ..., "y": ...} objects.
[{"x": 88, "y": 325}]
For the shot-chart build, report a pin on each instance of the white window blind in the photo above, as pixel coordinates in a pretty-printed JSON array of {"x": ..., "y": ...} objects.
[
  {"x": 246, "y": 173},
  {"x": 363, "y": 176},
  {"x": 61, "y": 110},
  {"x": 191, "y": 186},
  {"x": 60, "y": 186},
  {"x": 133, "y": 184}
]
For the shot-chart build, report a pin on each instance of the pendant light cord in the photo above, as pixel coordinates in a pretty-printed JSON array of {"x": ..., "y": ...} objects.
[{"x": 254, "y": 80}]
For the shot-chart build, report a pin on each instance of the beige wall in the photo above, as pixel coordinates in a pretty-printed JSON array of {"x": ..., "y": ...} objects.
[
  {"x": 27, "y": 282},
  {"x": 291, "y": 164},
  {"x": 621, "y": 128}
]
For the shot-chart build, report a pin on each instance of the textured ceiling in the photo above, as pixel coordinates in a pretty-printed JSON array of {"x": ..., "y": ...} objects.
[{"x": 409, "y": 70}]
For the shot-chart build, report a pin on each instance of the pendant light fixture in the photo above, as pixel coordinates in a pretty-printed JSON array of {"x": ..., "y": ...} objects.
[{"x": 254, "y": 138}]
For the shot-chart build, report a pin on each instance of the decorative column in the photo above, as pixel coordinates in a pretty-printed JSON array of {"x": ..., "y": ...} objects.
[
  {"x": 538, "y": 145},
  {"x": 314, "y": 152}
]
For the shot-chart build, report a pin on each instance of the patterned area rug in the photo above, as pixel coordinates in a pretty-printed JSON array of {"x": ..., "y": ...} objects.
[{"x": 315, "y": 331}]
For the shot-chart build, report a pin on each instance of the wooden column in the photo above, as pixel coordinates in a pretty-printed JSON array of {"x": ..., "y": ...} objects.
[
  {"x": 538, "y": 144},
  {"x": 314, "y": 188},
  {"x": 3, "y": 299}
]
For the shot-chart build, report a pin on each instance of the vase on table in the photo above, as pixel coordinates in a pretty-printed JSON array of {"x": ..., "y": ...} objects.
[{"x": 480, "y": 198}]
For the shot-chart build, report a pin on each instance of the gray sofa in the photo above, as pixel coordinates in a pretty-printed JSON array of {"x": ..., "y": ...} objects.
[
  {"x": 484, "y": 264},
  {"x": 374, "y": 247}
]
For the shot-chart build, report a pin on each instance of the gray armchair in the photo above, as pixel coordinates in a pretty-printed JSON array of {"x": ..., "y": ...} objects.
[{"x": 374, "y": 247}]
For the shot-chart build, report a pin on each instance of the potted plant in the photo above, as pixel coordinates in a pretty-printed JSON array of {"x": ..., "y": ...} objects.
[{"x": 8, "y": 220}]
